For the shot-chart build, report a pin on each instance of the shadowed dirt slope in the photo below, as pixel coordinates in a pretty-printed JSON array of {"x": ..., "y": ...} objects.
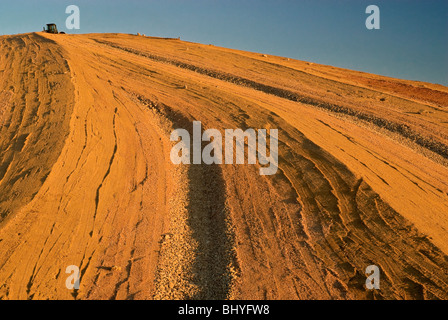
[{"x": 86, "y": 177}]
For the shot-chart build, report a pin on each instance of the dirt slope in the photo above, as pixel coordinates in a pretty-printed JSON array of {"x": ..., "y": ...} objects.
[{"x": 86, "y": 178}]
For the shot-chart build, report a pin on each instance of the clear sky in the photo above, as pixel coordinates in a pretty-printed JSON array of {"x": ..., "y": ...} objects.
[{"x": 411, "y": 44}]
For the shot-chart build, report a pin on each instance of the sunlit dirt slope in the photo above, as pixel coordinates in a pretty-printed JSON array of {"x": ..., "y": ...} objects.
[{"x": 86, "y": 177}]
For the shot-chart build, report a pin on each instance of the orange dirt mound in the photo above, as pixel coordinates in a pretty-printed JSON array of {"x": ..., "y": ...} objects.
[{"x": 86, "y": 177}]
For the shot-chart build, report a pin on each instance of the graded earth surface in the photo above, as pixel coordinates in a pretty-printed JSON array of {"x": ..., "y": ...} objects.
[{"x": 86, "y": 178}]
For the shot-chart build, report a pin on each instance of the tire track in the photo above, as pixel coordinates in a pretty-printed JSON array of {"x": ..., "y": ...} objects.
[
  {"x": 209, "y": 258},
  {"x": 399, "y": 128},
  {"x": 346, "y": 232}
]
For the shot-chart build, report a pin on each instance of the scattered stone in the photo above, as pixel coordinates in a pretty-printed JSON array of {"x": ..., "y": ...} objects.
[
  {"x": 167, "y": 236},
  {"x": 115, "y": 268}
]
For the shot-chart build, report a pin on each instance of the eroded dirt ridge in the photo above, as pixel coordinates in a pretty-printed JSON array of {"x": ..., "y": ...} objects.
[
  {"x": 86, "y": 179},
  {"x": 37, "y": 101}
]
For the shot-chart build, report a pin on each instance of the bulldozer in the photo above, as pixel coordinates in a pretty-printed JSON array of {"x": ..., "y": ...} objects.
[{"x": 52, "y": 28}]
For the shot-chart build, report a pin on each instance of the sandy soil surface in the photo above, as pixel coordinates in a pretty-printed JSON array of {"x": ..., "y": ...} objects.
[{"x": 86, "y": 177}]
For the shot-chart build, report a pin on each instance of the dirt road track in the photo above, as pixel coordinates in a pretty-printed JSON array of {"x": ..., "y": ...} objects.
[{"x": 86, "y": 179}]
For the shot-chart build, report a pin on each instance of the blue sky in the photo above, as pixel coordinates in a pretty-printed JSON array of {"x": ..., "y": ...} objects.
[{"x": 411, "y": 44}]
